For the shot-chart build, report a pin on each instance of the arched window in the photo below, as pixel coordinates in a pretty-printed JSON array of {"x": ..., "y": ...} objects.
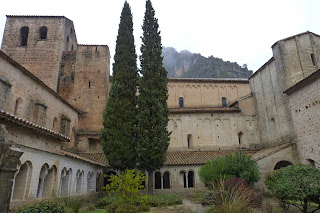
[
  {"x": 157, "y": 180},
  {"x": 181, "y": 103},
  {"x": 65, "y": 181},
  {"x": 99, "y": 182},
  {"x": 240, "y": 138},
  {"x": 166, "y": 180},
  {"x": 79, "y": 183},
  {"x": 43, "y": 174},
  {"x": 190, "y": 179},
  {"x": 50, "y": 182},
  {"x": 43, "y": 32},
  {"x": 22, "y": 182},
  {"x": 54, "y": 125},
  {"x": 224, "y": 102},
  {"x": 189, "y": 141},
  {"x": 311, "y": 162},
  {"x": 90, "y": 183},
  {"x": 281, "y": 164},
  {"x": 24, "y": 32}
]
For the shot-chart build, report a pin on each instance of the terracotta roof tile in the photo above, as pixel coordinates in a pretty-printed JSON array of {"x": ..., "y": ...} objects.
[
  {"x": 96, "y": 157},
  {"x": 263, "y": 153},
  {"x": 30, "y": 125},
  {"x": 196, "y": 157}
]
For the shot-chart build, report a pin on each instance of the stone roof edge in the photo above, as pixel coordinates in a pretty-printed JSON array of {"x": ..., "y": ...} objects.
[
  {"x": 203, "y": 110},
  {"x": 280, "y": 147},
  {"x": 37, "y": 16},
  {"x": 293, "y": 36},
  {"x": 238, "y": 80},
  {"x": 311, "y": 78},
  {"x": 28, "y": 124},
  {"x": 242, "y": 98},
  {"x": 104, "y": 45},
  {"x": 29, "y": 74},
  {"x": 261, "y": 68}
]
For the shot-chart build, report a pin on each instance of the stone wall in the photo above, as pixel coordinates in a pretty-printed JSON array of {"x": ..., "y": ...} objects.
[
  {"x": 5, "y": 87},
  {"x": 212, "y": 131},
  {"x": 41, "y": 56},
  {"x": 305, "y": 108},
  {"x": 205, "y": 93}
]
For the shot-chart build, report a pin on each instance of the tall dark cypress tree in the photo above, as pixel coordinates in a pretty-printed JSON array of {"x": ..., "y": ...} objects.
[
  {"x": 153, "y": 136},
  {"x": 119, "y": 132}
]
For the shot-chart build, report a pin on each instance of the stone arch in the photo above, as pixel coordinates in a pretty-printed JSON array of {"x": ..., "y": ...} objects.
[
  {"x": 43, "y": 173},
  {"x": 22, "y": 182},
  {"x": 90, "y": 182},
  {"x": 189, "y": 141},
  {"x": 190, "y": 179},
  {"x": 79, "y": 182},
  {"x": 183, "y": 178},
  {"x": 282, "y": 164},
  {"x": 240, "y": 138},
  {"x": 55, "y": 124},
  {"x": 157, "y": 180},
  {"x": 50, "y": 183},
  {"x": 17, "y": 106},
  {"x": 166, "y": 180},
  {"x": 99, "y": 182},
  {"x": 65, "y": 181}
]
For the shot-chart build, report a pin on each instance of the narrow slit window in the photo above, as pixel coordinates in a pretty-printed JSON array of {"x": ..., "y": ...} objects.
[
  {"x": 43, "y": 32},
  {"x": 313, "y": 59},
  {"x": 24, "y": 32},
  {"x": 181, "y": 102},
  {"x": 89, "y": 84},
  {"x": 224, "y": 102}
]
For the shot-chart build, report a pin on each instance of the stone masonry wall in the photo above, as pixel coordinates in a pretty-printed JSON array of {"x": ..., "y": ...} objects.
[
  {"x": 305, "y": 109},
  {"x": 26, "y": 93},
  {"x": 40, "y": 56}
]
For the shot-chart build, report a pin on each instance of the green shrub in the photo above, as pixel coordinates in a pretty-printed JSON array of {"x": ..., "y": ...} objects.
[
  {"x": 232, "y": 165},
  {"x": 127, "y": 186},
  {"x": 103, "y": 202},
  {"x": 164, "y": 200},
  {"x": 91, "y": 207},
  {"x": 73, "y": 202},
  {"x": 232, "y": 200},
  {"x": 295, "y": 185},
  {"x": 44, "y": 207}
]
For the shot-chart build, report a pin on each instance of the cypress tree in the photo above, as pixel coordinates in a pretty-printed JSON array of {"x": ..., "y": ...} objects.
[
  {"x": 153, "y": 136},
  {"x": 119, "y": 132}
]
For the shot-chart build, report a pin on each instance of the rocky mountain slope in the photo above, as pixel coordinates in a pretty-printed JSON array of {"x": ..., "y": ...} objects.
[{"x": 185, "y": 64}]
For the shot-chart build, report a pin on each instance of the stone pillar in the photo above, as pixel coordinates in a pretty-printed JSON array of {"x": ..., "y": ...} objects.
[{"x": 9, "y": 159}]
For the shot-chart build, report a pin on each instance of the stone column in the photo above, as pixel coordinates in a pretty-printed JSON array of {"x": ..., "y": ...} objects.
[{"x": 9, "y": 159}]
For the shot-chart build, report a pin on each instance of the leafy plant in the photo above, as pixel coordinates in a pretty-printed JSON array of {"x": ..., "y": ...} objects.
[
  {"x": 44, "y": 207},
  {"x": 296, "y": 185},
  {"x": 232, "y": 165},
  {"x": 126, "y": 187}
]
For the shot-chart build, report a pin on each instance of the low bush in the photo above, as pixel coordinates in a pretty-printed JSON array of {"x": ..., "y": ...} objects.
[
  {"x": 163, "y": 200},
  {"x": 105, "y": 201},
  {"x": 44, "y": 207},
  {"x": 73, "y": 202}
]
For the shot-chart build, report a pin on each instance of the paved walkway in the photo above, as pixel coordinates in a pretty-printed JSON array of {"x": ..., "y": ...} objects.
[{"x": 194, "y": 207}]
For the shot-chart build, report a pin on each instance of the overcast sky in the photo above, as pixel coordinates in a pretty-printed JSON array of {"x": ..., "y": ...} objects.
[{"x": 241, "y": 31}]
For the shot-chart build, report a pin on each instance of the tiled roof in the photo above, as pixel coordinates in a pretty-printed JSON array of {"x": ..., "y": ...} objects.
[
  {"x": 30, "y": 125},
  {"x": 203, "y": 110},
  {"x": 263, "y": 153},
  {"x": 96, "y": 157},
  {"x": 196, "y": 157},
  {"x": 35, "y": 78},
  {"x": 79, "y": 157}
]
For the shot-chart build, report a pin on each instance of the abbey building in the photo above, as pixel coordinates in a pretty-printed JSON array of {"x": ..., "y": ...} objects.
[{"x": 53, "y": 92}]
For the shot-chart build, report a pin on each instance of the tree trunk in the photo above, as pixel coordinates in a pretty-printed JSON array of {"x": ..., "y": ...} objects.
[{"x": 150, "y": 181}]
